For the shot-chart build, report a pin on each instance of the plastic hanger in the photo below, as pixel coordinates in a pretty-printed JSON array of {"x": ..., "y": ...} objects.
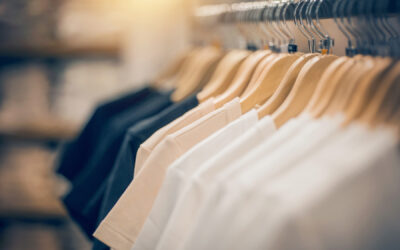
[
  {"x": 242, "y": 77},
  {"x": 284, "y": 87},
  {"x": 303, "y": 89},
  {"x": 205, "y": 66},
  {"x": 223, "y": 74}
]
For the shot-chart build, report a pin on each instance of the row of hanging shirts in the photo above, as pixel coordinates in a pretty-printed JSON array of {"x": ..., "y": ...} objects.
[{"x": 261, "y": 148}]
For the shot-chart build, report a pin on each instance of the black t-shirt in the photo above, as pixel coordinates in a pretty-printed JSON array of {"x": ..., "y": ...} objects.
[
  {"x": 90, "y": 176},
  {"x": 75, "y": 154},
  {"x": 122, "y": 172}
]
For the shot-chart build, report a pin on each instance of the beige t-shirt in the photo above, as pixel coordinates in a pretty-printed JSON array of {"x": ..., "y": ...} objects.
[
  {"x": 123, "y": 223},
  {"x": 189, "y": 117}
]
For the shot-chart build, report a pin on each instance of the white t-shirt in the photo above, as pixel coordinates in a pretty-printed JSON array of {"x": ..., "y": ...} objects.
[
  {"x": 209, "y": 170},
  {"x": 351, "y": 204},
  {"x": 254, "y": 205},
  {"x": 272, "y": 150},
  {"x": 181, "y": 170},
  {"x": 195, "y": 195}
]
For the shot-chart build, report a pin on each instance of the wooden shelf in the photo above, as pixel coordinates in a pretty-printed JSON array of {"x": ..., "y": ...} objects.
[
  {"x": 45, "y": 130},
  {"x": 55, "y": 50}
]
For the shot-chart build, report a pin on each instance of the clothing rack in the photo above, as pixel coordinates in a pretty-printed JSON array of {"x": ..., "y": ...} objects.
[
  {"x": 365, "y": 24},
  {"x": 290, "y": 10}
]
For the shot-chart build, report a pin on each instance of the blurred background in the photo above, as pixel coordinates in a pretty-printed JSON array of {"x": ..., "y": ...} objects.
[{"x": 58, "y": 60}]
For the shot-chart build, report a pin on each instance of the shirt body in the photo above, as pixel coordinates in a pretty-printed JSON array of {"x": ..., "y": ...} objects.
[
  {"x": 75, "y": 154},
  {"x": 190, "y": 205},
  {"x": 191, "y": 116},
  {"x": 122, "y": 172},
  {"x": 122, "y": 225},
  {"x": 370, "y": 192},
  {"x": 272, "y": 197},
  {"x": 181, "y": 170},
  {"x": 90, "y": 178},
  {"x": 214, "y": 198}
]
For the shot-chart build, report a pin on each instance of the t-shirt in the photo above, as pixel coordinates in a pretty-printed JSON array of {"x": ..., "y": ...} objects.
[
  {"x": 122, "y": 172},
  {"x": 148, "y": 146},
  {"x": 90, "y": 178},
  {"x": 122, "y": 225},
  {"x": 75, "y": 154},
  {"x": 314, "y": 177},
  {"x": 193, "y": 163},
  {"x": 184, "y": 168},
  {"x": 270, "y": 201},
  {"x": 360, "y": 192},
  {"x": 219, "y": 198}
]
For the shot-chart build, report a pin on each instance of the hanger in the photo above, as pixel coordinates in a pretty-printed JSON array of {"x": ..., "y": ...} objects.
[
  {"x": 360, "y": 92},
  {"x": 328, "y": 85},
  {"x": 244, "y": 74},
  {"x": 206, "y": 63},
  {"x": 360, "y": 98},
  {"x": 229, "y": 66},
  {"x": 347, "y": 84},
  {"x": 271, "y": 76},
  {"x": 186, "y": 72},
  {"x": 173, "y": 70},
  {"x": 384, "y": 101},
  {"x": 308, "y": 77},
  {"x": 284, "y": 87},
  {"x": 303, "y": 89},
  {"x": 223, "y": 74},
  {"x": 268, "y": 81},
  {"x": 344, "y": 82},
  {"x": 339, "y": 72},
  {"x": 274, "y": 45},
  {"x": 287, "y": 82}
]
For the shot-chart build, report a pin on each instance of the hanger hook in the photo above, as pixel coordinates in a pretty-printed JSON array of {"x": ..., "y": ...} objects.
[
  {"x": 350, "y": 50},
  {"x": 274, "y": 26},
  {"x": 288, "y": 4},
  {"x": 265, "y": 25},
  {"x": 279, "y": 17},
  {"x": 299, "y": 26},
  {"x": 310, "y": 34},
  {"x": 309, "y": 19},
  {"x": 327, "y": 42}
]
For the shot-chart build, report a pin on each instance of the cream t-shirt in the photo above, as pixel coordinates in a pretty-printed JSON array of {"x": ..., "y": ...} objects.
[
  {"x": 181, "y": 170},
  {"x": 148, "y": 146},
  {"x": 123, "y": 223}
]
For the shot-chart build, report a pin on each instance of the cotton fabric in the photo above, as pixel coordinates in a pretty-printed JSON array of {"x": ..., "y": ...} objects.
[{"x": 122, "y": 225}]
